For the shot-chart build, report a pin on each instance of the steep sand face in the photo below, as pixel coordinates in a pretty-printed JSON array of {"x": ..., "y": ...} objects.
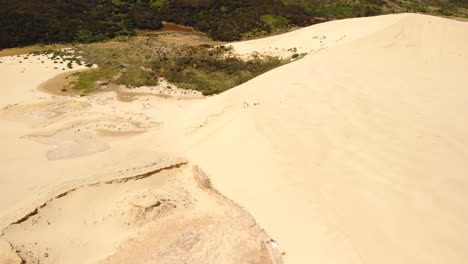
[
  {"x": 357, "y": 153},
  {"x": 170, "y": 215}
]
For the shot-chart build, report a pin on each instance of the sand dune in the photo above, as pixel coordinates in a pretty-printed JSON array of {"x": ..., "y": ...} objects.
[{"x": 357, "y": 153}]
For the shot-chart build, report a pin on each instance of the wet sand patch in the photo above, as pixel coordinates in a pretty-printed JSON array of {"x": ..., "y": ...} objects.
[{"x": 61, "y": 84}]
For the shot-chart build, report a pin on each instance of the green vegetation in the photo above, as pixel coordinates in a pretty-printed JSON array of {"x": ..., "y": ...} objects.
[
  {"x": 136, "y": 77},
  {"x": 229, "y": 20},
  {"x": 143, "y": 61},
  {"x": 86, "y": 81},
  {"x": 61, "y": 56},
  {"x": 213, "y": 71},
  {"x": 50, "y": 21},
  {"x": 159, "y": 3},
  {"x": 337, "y": 9},
  {"x": 275, "y": 22}
]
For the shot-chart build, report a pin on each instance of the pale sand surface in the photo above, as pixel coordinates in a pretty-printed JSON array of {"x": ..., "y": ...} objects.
[
  {"x": 48, "y": 140},
  {"x": 358, "y": 153},
  {"x": 169, "y": 217},
  {"x": 79, "y": 183}
]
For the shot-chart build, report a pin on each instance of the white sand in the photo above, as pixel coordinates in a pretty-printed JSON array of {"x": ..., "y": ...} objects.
[
  {"x": 357, "y": 153},
  {"x": 52, "y": 141},
  {"x": 168, "y": 217},
  {"x": 85, "y": 180}
]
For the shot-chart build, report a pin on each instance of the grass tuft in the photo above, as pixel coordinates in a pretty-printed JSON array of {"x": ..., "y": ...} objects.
[{"x": 87, "y": 81}]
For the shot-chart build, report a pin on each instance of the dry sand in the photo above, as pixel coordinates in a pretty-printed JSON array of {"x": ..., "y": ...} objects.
[
  {"x": 358, "y": 153},
  {"x": 169, "y": 215},
  {"x": 80, "y": 183}
]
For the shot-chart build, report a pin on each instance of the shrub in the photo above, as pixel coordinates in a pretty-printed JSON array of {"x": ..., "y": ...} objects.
[
  {"x": 135, "y": 77},
  {"x": 142, "y": 61},
  {"x": 214, "y": 72},
  {"x": 274, "y": 22}
]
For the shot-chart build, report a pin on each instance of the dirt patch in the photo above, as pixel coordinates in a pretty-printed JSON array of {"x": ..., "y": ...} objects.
[
  {"x": 188, "y": 39},
  {"x": 171, "y": 27}
]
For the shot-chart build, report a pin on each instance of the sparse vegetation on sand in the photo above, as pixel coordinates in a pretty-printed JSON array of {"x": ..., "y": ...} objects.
[
  {"x": 61, "y": 56},
  {"x": 87, "y": 81},
  {"x": 143, "y": 61}
]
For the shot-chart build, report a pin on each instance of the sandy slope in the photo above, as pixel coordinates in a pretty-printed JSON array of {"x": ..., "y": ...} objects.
[
  {"x": 79, "y": 182},
  {"x": 357, "y": 153}
]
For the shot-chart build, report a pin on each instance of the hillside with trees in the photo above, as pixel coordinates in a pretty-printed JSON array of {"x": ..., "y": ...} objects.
[{"x": 50, "y": 21}]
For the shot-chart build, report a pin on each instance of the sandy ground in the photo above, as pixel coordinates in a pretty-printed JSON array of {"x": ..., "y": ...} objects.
[
  {"x": 170, "y": 215},
  {"x": 357, "y": 153},
  {"x": 80, "y": 183}
]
